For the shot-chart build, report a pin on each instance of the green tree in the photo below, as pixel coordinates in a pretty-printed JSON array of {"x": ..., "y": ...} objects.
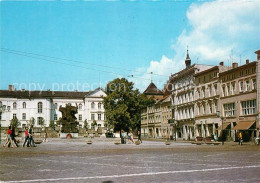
[
  {"x": 15, "y": 122},
  {"x": 86, "y": 124},
  {"x": 52, "y": 124},
  {"x": 123, "y": 105},
  {"x": 31, "y": 122},
  {"x": 41, "y": 122},
  {"x": 94, "y": 124}
]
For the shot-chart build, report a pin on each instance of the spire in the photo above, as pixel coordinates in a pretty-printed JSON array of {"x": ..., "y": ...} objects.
[{"x": 187, "y": 60}]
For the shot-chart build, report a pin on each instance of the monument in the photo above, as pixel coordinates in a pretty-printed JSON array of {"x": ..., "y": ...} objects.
[{"x": 68, "y": 121}]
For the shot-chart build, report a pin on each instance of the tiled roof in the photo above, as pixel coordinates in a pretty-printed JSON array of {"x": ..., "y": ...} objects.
[
  {"x": 42, "y": 94},
  {"x": 152, "y": 90}
]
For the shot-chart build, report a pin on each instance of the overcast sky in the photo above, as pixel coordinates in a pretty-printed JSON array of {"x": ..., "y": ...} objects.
[{"x": 63, "y": 45}]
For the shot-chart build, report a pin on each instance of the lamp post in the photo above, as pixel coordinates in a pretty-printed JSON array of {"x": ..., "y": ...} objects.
[{"x": 218, "y": 115}]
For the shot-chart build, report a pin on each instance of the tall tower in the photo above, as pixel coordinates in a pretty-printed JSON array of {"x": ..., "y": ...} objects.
[{"x": 187, "y": 60}]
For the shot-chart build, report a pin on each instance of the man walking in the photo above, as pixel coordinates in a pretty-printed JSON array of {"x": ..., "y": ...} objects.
[{"x": 139, "y": 136}]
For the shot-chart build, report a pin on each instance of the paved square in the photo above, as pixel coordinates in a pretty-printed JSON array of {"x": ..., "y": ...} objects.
[{"x": 63, "y": 160}]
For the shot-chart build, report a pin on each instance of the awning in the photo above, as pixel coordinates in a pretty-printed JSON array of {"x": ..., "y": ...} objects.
[
  {"x": 244, "y": 125},
  {"x": 225, "y": 125}
]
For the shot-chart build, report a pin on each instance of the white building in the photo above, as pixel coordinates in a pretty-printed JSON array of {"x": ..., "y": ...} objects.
[
  {"x": 25, "y": 105},
  {"x": 182, "y": 88}
]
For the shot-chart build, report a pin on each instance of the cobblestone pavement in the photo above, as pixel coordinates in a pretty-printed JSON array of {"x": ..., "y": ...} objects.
[{"x": 62, "y": 160}]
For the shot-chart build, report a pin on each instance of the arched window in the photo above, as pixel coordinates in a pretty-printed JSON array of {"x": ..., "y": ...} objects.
[
  {"x": 39, "y": 107},
  {"x": 93, "y": 105},
  {"x": 80, "y": 106},
  {"x": 99, "y": 105},
  {"x": 24, "y": 105},
  {"x": 14, "y": 105}
]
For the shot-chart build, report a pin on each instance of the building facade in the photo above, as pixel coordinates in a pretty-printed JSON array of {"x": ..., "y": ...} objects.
[
  {"x": 199, "y": 92},
  {"x": 154, "y": 119},
  {"x": 25, "y": 105},
  {"x": 207, "y": 101},
  {"x": 238, "y": 101},
  {"x": 181, "y": 86}
]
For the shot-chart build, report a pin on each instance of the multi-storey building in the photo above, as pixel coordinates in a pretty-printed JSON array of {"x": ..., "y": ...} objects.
[
  {"x": 25, "y": 105},
  {"x": 258, "y": 91},
  {"x": 207, "y": 100},
  {"x": 181, "y": 86},
  {"x": 154, "y": 118},
  {"x": 238, "y": 100}
]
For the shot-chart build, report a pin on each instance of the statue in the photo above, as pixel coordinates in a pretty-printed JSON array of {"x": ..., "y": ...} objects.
[{"x": 68, "y": 120}]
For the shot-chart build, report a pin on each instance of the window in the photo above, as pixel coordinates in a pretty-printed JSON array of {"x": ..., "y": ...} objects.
[
  {"x": 24, "y": 105},
  {"x": 55, "y": 117},
  {"x": 99, "y": 116},
  {"x": 228, "y": 90},
  {"x": 241, "y": 86},
  {"x": 39, "y": 107},
  {"x": 80, "y": 106},
  {"x": 229, "y": 109},
  {"x": 39, "y": 120},
  {"x": 204, "y": 108},
  {"x": 92, "y": 116},
  {"x": 80, "y": 117},
  {"x": 210, "y": 108},
  {"x": 56, "y": 106},
  {"x": 233, "y": 88},
  {"x": 24, "y": 116},
  {"x": 92, "y": 105},
  {"x": 210, "y": 91},
  {"x": 14, "y": 105},
  {"x": 248, "y": 107},
  {"x": 223, "y": 91},
  {"x": 254, "y": 84},
  {"x": 247, "y": 85},
  {"x": 216, "y": 107},
  {"x": 14, "y": 116},
  {"x": 99, "y": 105}
]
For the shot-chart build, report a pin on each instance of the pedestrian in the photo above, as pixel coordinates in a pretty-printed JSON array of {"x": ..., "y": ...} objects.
[
  {"x": 31, "y": 140},
  {"x": 13, "y": 137},
  {"x": 131, "y": 137},
  {"x": 240, "y": 138},
  {"x": 8, "y": 138},
  {"x": 122, "y": 137},
  {"x": 139, "y": 136},
  {"x": 45, "y": 138},
  {"x": 215, "y": 137},
  {"x": 26, "y": 137}
]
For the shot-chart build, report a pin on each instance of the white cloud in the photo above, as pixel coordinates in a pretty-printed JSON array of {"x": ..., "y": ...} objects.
[{"x": 219, "y": 31}]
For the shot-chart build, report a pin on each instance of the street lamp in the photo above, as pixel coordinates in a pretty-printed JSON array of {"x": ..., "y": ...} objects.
[{"x": 218, "y": 115}]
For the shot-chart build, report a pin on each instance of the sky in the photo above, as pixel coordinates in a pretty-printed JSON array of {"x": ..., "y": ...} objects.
[{"x": 81, "y": 45}]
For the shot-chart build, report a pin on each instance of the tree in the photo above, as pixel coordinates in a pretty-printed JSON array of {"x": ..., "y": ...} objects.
[
  {"x": 94, "y": 124},
  {"x": 31, "y": 122},
  {"x": 52, "y": 124},
  {"x": 123, "y": 105},
  {"x": 86, "y": 124},
  {"x": 15, "y": 122},
  {"x": 41, "y": 122}
]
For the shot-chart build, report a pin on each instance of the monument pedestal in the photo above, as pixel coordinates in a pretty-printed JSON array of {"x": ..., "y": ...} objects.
[{"x": 73, "y": 135}]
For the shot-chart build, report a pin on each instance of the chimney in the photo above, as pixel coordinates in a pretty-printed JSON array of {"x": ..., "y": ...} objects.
[
  {"x": 11, "y": 87},
  {"x": 221, "y": 63},
  {"x": 247, "y": 61},
  {"x": 258, "y": 55},
  {"x": 234, "y": 65}
]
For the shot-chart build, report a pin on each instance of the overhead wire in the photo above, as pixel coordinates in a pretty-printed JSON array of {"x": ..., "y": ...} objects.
[
  {"x": 39, "y": 57},
  {"x": 76, "y": 61}
]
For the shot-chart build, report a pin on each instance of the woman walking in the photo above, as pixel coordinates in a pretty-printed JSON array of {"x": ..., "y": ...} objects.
[{"x": 9, "y": 139}]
